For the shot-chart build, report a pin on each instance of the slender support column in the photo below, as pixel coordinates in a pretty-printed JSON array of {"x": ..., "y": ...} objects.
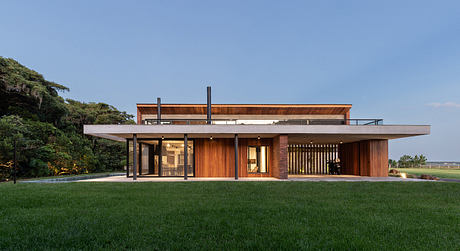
[
  {"x": 158, "y": 110},
  {"x": 14, "y": 162},
  {"x": 185, "y": 157},
  {"x": 127, "y": 158},
  {"x": 140, "y": 159},
  {"x": 134, "y": 156},
  {"x": 208, "y": 117},
  {"x": 236, "y": 156},
  {"x": 160, "y": 157}
]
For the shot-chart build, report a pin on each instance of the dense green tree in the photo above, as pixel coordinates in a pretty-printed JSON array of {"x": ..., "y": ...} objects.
[
  {"x": 405, "y": 161},
  {"x": 409, "y": 161},
  {"x": 392, "y": 163},
  {"x": 49, "y": 130}
]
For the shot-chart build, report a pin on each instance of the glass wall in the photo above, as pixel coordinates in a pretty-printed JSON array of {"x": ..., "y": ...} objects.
[
  {"x": 172, "y": 158},
  {"x": 161, "y": 158},
  {"x": 149, "y": 157},
  {"x": 257, "y": 159}
]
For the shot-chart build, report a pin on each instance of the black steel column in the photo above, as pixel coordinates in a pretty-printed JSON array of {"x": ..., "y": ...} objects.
[
  {"x": 158, "y": 110},
  {"x": 14, "y": 162},
  {"x": 236, "y": 156},
  {"x": 140, "y": 159},
  {"x": 151, "y": 159},
  {"x": 134, "y": 156},
  {"x": 127, "y": 158},
  {"x": 160, "y": 147},
  {"x": 185, "y": 156},
  {"x": 208, "y": 117}
]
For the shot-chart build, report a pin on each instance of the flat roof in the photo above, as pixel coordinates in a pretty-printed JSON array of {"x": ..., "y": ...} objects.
[
  {"x": 254, "y": 109},
  {"x": 296, "y": 133},
  {"x": 244, "y": 105}
]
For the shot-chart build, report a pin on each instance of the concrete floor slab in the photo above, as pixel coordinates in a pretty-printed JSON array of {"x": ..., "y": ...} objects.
[{"x": 312, "y": 178}]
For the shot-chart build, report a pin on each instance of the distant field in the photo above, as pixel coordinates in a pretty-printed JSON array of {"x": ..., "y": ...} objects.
[
  {"x": 438, "y": 172},
  {"x": 231, "y": 216}
]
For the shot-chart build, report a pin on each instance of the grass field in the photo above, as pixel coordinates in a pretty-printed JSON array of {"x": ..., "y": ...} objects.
[
  {"x": 438, "y": 172},
  {"x": 231, "y": 215}
]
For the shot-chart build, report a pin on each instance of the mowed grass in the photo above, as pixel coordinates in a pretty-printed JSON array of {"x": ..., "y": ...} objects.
[
  {"x": 438, "y": 172},
  {"x": 231, "y": 215}
]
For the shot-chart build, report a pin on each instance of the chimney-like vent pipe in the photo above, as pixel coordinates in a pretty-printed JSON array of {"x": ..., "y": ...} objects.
[
  {"x": 208, "y": 117},
  {"x": 158, "y": 110}
]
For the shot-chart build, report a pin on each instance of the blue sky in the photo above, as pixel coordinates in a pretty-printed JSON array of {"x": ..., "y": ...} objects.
[{"x": 396, "y": 60}]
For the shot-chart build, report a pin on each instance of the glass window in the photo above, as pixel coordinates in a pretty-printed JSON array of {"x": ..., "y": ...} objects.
[
  {"x": 258, "y": 159},
  {"x": 172, "y": 159}
]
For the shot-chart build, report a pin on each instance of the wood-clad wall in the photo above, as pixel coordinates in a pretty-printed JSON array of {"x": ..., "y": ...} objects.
[
  {"x": 365, "y": 158},
  {"x": 216, "y": 157},
  {"x": 229, "y": 109},
  {"x": 378, "y": 156},
  {"x": 349, "y": 158}
]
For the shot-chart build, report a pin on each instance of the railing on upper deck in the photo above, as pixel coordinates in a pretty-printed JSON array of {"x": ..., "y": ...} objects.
[{"x": 264, "y": 122}]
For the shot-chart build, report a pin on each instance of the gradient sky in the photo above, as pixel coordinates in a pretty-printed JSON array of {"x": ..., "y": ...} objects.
[{"x": 396, "y": 60}]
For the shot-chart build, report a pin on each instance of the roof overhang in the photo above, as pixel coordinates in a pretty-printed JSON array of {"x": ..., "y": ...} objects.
[
  {"x": 241, "y": 109},
  {"x": 297, "y": 133}
]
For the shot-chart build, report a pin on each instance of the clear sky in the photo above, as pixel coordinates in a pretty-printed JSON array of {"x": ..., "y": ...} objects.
[{"x": 396, "y": 60}]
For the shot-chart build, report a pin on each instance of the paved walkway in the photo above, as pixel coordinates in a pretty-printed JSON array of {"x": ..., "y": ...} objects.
[{"x": 314, "y": 178}]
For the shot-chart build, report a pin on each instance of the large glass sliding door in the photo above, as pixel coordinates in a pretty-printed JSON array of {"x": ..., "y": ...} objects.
[
  {"x": 149, "y": 157},
  {"x": 158, "y": 157},
  {"x": 172, "y": 158},
  {"x": 148, "y": 160}
]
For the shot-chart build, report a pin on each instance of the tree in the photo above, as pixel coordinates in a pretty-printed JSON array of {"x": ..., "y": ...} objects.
[
  {"x": 392, "y": 163},
  {"x": 409, "y": 161},
  {"x": 405, "y": 161},
  {"x": 49, "y": 129}
]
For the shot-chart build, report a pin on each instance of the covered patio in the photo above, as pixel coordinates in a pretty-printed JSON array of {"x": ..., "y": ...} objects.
[{"x": 222, "y": 151}]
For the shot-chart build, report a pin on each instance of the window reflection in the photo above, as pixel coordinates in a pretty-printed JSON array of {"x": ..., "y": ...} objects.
[
  {"x": 172, "y": 160},
  {"x": 258, "y": 159}
]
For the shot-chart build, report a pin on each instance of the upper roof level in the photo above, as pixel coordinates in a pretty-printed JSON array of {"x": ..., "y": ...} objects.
[{"x": 148, "y": 112}]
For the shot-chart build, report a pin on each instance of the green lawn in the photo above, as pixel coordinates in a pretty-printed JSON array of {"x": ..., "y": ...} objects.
[
  {"x": 231, "y": 215},
  {"x": 438, "y": 172}
]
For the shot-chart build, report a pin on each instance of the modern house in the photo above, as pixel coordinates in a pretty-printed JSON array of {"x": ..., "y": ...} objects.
[{"x": 253, "y": 140}]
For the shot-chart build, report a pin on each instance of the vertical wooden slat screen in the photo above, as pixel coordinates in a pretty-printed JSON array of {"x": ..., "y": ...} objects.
[{"x": 311, "y": 158}]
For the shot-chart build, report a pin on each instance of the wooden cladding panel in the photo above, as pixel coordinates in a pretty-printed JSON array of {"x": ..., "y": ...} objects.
[
  {"x": 246, "y": 109},
  {"x": 378, "y": 157},
  {"x": 349, "y": 158},
  {"x": 365, "y": 158},
  {"x": 216, "y": 158}
]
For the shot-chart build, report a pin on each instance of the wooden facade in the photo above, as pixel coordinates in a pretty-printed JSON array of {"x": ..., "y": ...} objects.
[
  {"x": 365, "y": 158},
  {"x": 216, "y": 157},
  {"x": 244, "y": 109}
]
